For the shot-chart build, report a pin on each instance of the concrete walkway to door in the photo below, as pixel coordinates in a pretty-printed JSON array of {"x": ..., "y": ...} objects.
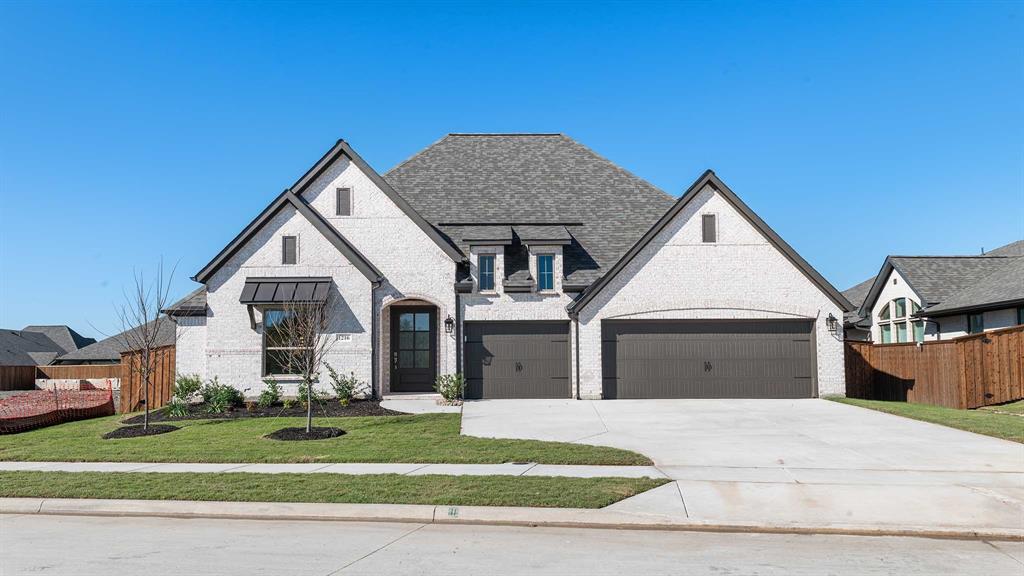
[{"x": 785, "y": 461}]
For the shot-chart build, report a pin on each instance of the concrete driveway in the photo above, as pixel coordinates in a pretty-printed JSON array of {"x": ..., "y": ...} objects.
[{"x": 789, "y": 460}]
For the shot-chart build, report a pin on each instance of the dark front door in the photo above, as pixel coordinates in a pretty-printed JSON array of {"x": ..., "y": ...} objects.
[
  {"x": 517, "y": 360},
  {"x": 413, "y": 348},
  {"x": 707, "y": 358}
]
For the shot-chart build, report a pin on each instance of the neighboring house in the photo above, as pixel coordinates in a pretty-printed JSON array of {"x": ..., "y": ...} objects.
[
  {"x": 108, "y": 350},
  {"x": 919, "y": 298},
  {"x": 38, "y": 345},
  {"x": 531, "y": 264}
]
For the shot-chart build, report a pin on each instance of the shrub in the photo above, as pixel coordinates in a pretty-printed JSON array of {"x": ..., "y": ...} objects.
[
  {"x": 177, "y": 407},
  {"x": 186, "y": 386},
  {"x": 450, "y": 386},
  {"x": 344, "y": 386},
  {"x": 219, "y": 397},
  {"x": 290, "y": 403},
  {"x": 304, "y": 394},
  {"x": 271, "y": 394}
]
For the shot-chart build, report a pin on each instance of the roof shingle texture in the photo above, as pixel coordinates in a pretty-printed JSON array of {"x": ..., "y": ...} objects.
[
  {"x": 538, "y": 179},
  {"x": 38, "y": 345},
  {"x": 939, "y": 278},
  {"x": 1004, "y": 284},
  {"x": 109, "y": 349}
]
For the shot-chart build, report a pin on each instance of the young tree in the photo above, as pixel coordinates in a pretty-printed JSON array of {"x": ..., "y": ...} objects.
[
  {"x": 139, "y": 315},
  {"x": 297, "y": 342}
]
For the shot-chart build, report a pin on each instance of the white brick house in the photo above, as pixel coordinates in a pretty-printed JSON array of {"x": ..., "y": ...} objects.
[{"x": 530, "y": 264}]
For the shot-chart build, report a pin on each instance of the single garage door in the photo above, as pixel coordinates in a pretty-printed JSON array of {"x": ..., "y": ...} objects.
[
  {"x": 517, "y": 360},
  {"x": 707, "y": 358}
]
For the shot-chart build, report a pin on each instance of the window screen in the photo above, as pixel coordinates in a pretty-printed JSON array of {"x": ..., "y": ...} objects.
[
  {"x": 710, "y": 233},
  {"x": 344, "y": 202},
  {"x": 289, "y": 250}
]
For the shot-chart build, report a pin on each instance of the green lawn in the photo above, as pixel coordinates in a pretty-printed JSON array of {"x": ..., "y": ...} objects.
[
  {"x": 537, "y": 491},
  {"x": 1013, "y": 408},
  {"x": 421, "y": 438},
  {"x": 1006, "y": 426}
]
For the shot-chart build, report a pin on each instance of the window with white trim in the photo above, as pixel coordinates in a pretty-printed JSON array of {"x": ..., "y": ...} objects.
[
  {"x": 485, "y": 272},
  {"x": 895, "y": 323}
]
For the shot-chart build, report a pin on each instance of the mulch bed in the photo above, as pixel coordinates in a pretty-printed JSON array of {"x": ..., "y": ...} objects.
[
  {"x": 328, "y": 408},
  {"x": 316, "y": 433},
  {"x": 139, "y": 431}
]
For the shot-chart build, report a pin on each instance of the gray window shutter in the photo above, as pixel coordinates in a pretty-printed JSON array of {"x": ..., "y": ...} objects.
[
  {"x": 289, "y": 252},
  {"x": 710, "y": 234},
  {"x": 344, "y": 202}
]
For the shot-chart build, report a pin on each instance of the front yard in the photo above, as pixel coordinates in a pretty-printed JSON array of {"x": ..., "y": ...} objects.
[
  {"x": 425, "y": 438},
  {"x": 992, "y": 421}
]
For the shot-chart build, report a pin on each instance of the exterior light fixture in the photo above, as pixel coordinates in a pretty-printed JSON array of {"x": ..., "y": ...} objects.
[
  {"x": 449, "y": 324},
  {"x": 832, "y": 322}
]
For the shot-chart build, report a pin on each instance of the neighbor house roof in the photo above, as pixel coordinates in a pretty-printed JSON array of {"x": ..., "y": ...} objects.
[
  {"x": 955, "y": 284},
  {"x": 1002, "y": 287},
  {"x": 529, "y": 181},
  {"x": 109, "y": 349},
  {"x": 38, "y": 345},
  {"x": 856, "y": 295},
  {"x": 710, "y": 179}
]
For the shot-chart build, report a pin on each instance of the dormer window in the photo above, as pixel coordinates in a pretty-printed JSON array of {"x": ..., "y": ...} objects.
[
  {"x": 485, "y": 270},
  {"x": 545, "y": 272}
]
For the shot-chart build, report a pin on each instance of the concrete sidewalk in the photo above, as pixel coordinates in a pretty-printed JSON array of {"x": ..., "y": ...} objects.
[
  {"x": 606, "y": 518},
  {"x": 508, "y": 469}
]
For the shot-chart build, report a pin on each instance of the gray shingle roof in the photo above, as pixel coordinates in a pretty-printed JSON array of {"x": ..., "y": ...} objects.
[
  {"x": 1005, "y": 284},
  {"x": 1011, "y": 249},
  {"x": 193, "y": 304},
  {"x": 62, "y": 335},
  {"x": 535, "y": 179},
  {"x": 109, "y": 349},
  {"x": 856, "y": 296},
  {"x": 939, "y": 278}
]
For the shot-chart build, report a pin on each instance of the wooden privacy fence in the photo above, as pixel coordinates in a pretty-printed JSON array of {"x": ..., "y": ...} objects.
[
  {"x": 968, "y": 372},
  {"x": 161, "y": 379},
  {"x": 17, "y": 378},
  {"x": 79, "y": 372}
]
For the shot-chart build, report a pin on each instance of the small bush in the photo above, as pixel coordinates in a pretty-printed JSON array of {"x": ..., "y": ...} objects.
[
  {"x": 450, "y": 386},
  {"x": 344, "y": 386},
  {"x": 290, "y": 403},
  {"x": 251, "y": 406},
  {"x": 177, "y": 407},
  {"x": 271, "y": 394},
  {"x": 219, "y": 397},
  {"x": 304, "y": 394},
  {"x": 186, "y": 386}
]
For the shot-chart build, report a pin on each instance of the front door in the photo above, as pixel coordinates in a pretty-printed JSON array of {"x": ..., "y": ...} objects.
[{"x": 413, "y": 348}]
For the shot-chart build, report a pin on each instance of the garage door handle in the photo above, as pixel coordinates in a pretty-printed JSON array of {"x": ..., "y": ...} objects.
[
  {"x": 707, "y": 366},
  {"x": 519, "y": 367}
]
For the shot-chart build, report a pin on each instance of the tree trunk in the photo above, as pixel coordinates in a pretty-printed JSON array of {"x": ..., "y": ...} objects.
[
  {"x": 309, "y": 407},
  {"x": 145, "y": 389}
]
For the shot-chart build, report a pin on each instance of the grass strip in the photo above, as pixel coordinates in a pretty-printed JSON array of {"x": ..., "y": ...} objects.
[
  {"x": 534, "y": 491},
  {"x": 987, "y": 422}
]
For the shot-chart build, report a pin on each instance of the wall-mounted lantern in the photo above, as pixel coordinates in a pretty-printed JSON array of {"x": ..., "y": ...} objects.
[
  {"x": 832, "y": 323},
  {"x": 449, "y": 324}
]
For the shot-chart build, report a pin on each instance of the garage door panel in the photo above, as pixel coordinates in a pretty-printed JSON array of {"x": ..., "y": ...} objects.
[
  {"x": 517, "y": 360},
  {"x": 707, "y": 359}
]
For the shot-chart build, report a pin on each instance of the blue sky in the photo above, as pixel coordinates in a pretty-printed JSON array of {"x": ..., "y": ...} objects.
[{"x": 131, "y": 132}]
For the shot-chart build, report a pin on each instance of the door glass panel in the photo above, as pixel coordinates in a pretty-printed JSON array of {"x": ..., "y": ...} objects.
[
  {"x": 405, "y": 322},
  {"x": 422, "y": 341},
  {"x": 422, "y": 321},
  {"x": 423, "y": 359},
  {"x": 406, "y": 359},
  {"x": 405, "y": 341}
]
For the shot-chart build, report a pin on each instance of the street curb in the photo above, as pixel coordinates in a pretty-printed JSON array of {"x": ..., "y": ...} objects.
[{"x": 463, "y": 515}]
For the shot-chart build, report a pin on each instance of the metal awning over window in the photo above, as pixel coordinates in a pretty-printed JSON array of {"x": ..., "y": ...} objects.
[{"x": 278, "y": 290}]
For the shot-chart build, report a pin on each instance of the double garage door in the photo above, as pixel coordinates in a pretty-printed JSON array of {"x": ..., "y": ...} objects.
[
  {"x": 707, "y": 359},
  {"x": 645, "y": 359}
]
